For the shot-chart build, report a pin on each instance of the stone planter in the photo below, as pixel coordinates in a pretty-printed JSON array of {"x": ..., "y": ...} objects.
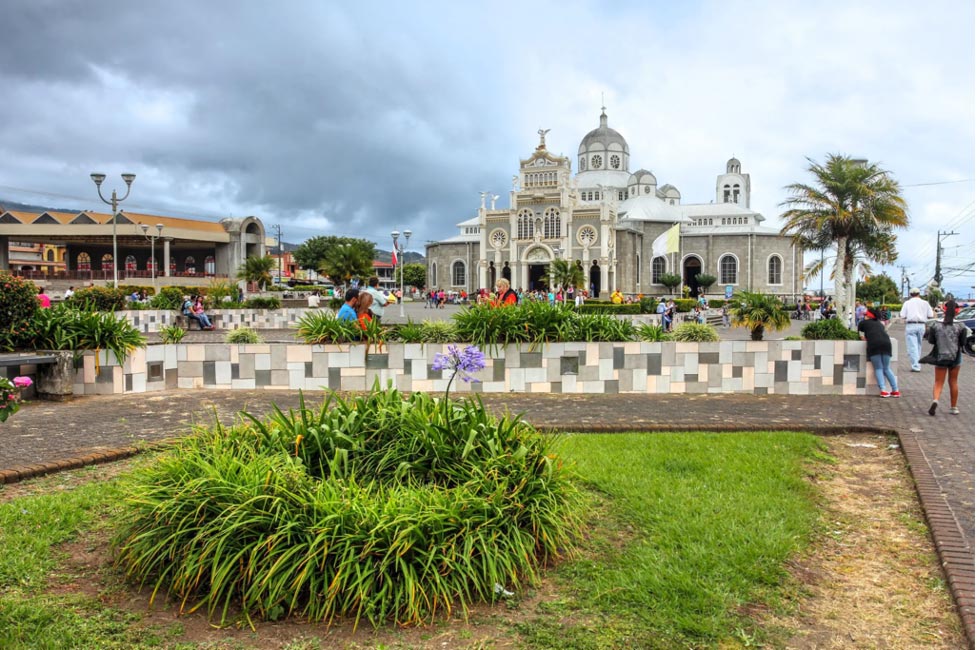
[{"x": 55, "y": 381}]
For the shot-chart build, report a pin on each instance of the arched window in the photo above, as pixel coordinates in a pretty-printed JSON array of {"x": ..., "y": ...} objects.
[
  {"x": 84, "y": 262},
  {"x": 210, "y": 265},
  {"x": 727, "y": 269},
  {"x": 551, "y": 223},
  {"x": 524, "y": 225},
  {"x": 130, "y": 263},
  {"x": 50, "y": 255},
  {"x": 190, "y": 265},
  {"x": 458, "y": 274},
  {"x": 775, "y": 270},
  {"x": 149, "y": 265},
  {"x": 172, "y": 267},
  {"x": 434, "y": 274},
  {"x": 657, "y": 269},
  {"x": 736, "y": 193},
  {"x": 637, "y": 271},
  {"x": 726, "y": 194},
  {"x": 107, "y": 262}
]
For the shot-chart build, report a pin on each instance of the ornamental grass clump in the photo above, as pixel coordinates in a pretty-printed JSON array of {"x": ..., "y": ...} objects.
[{"x": 381, "y": 506}]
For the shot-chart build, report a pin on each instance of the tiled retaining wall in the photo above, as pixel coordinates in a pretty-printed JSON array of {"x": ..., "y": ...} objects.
[
  {"x": 151, "y": 320},
  {"x": 761, "y": 368}
]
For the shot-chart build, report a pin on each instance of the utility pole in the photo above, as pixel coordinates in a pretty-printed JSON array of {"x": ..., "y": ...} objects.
[
  {"x": 278, "y": 229},
  {"x": 903, "y": 284},
  {"x": 940, "y": 236}
]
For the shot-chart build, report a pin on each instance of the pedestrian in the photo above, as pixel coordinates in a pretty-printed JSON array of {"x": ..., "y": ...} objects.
[
  {"x": 879, "y": 351},
  {"x": 350, "y": 301},
  {"x": 916, "y": 312},
  {"x": 379, "y": 300},
  {"x": 70, "y": 292},
  {"x": 314, "y": 300},
  {"x": 948, "y": 339},
  {"x": 364, "y": 314},
  {"x": 860, "y": 310},
  {"x": 43, "y": 298},
  {"x": 504, "y": 295},
  {"x": 199, "y": 312}
]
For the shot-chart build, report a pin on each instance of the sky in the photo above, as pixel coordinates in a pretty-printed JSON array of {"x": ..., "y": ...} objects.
[{"x": 356, "y": 119}]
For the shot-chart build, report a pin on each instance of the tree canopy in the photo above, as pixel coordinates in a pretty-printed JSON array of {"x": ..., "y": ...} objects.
[
  {"x": 257, "y": 269},
  {"x": 341, "y": 258},
  {"x": 853, "y": 206},
  {"x": 878, "y": 288}
]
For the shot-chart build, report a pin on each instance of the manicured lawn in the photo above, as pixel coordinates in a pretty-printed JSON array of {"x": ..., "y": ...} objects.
[
  {"x": 688, "y": 530},
  {"x": 685, "y": 534}
]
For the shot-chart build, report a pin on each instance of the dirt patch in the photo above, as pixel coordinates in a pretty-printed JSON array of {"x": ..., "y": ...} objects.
[{"x": 872, "y": 579}]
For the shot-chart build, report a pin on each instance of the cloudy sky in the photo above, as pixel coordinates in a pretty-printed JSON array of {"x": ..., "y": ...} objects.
[{"x": 357, "y": 118}]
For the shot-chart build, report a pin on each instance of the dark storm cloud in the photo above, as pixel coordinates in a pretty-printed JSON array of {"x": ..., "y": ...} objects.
[{"x": 304, "y": 108}]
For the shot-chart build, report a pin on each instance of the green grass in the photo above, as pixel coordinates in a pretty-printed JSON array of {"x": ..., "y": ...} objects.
[
  {"x": 695, "y": 526},
  {"x": 683, "y": 531}
]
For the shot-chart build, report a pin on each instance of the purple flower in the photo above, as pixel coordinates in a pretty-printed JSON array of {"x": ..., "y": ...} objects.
[
  {"x": 464, "y": 362},
  {"x": 22, "y": 382}
]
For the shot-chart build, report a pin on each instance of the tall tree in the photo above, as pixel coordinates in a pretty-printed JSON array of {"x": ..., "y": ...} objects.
[
  {"x": 258, "y": 270},
  {"x": 852, "y": 206},
  {"x": 878, "y": 288},
  {"x": 319, "y": 253},
  {"x": 415, "y": 275}
]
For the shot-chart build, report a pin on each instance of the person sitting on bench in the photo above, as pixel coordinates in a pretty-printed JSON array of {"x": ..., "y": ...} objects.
[{"x": 188, "y": 310}]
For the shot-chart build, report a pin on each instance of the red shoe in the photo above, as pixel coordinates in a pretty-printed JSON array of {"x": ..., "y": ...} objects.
[
  {"x": 884, "y": 394},
  {"x": 895, "y": 393}
]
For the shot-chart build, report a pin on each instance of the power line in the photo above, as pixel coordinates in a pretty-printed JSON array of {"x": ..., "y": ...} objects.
[{"x": 962, "y": 180}]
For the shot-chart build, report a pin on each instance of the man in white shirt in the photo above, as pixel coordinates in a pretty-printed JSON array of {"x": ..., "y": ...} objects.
[
  {"x": 916, "y": 312},
  {"x": 314, "y": 300},
  {"x": 379, "y": 300}
]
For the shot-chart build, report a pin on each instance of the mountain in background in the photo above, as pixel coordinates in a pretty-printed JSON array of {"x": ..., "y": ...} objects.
[{"x": 380, "y": 255}]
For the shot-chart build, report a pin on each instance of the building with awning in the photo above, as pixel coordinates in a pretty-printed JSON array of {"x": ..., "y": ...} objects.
[{"x": 188, "y": 249}]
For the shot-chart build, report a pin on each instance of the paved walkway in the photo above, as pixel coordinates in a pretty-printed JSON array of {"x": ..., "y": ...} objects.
[{"x": 46, "y": 437}]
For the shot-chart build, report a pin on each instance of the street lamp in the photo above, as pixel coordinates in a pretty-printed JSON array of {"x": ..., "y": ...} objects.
[
  {"x": 400, "y": 258},
  {"x": 152, "y": 240},
  {"x": 114, "y": 202}
]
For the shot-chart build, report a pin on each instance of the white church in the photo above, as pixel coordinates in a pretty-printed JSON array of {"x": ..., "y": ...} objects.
[{"x": 605, "y": 219}]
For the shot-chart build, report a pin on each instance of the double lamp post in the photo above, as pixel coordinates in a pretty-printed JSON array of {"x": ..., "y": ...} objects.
[
  {"x": 399, "y": 250},
  {"x": 114, "y": 202}
]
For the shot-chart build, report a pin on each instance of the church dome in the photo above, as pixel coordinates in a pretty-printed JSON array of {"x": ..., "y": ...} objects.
[
  {"x": 603, "y": 149},
  {"x": 733, "y": 166},
  {"x": 642, "y": 176}
]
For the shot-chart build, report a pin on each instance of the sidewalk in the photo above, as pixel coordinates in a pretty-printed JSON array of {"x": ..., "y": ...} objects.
[{"x": 46, "y": 437}]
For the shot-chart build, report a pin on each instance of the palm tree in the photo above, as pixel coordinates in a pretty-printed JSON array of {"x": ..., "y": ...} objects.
[
  {"x": 346, "y": 262},
  {"x": 257, "y": 269},
  {"x": 853, "y": 206},
  {"x": 566, "y": 274},
  {"x": 757, "y": 311}
]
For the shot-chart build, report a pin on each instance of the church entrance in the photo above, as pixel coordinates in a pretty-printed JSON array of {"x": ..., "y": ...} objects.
[
  {"x": 539, "y": 278},
  {"x": 595, "y": 280},
  {"x": 692, "y": 268}
]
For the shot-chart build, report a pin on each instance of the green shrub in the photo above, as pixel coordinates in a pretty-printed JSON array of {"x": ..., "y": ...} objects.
[
  {"x": 378, "y": 507},
  {"x": 648, "y": 305},
  {"x": 335, "y": 303},
  {"x": 100, "y": 299},
  {"x": 716, "y": 304},
  {"x": 128, "y": 289},
  {"x": 409, "y": 332},
  {"x": 270, "y": 302},
  {"x": 828, "y": 329},
  {"x": 221, "y": 293},
  {"x": 172, "y": 333},
  {"x": 243, "y": 335},
  {"x": 67, "y": 328},
  {"x": 599, "y": 327},
  {"x": 695, "y": 333},
  {"x": 683, "y": 305},
  {"x": 18, "y": 304},
  {"x": 439, "y": 332},
  {"x": 651, "y": 333},
  {"x": 168, "y": 298},
  {"x": 320, "y": 327},
  {"x": 596, "y": 307}
]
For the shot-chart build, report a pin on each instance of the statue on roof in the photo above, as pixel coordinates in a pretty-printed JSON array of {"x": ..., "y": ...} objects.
[{"x": 542, "y": 138}]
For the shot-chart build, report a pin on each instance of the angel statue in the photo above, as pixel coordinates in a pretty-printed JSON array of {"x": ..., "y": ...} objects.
[
  {"x": 482, "y": 195},
  {"x": 542, "y": 137},
  {"x": 494, "y": 198},
  {"x": 515, "y": 183}
]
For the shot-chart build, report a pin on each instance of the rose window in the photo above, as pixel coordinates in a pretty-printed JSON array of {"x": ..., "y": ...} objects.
[
  {"x": 499, "y": 238},
  {"x": 587, "y": 236}
]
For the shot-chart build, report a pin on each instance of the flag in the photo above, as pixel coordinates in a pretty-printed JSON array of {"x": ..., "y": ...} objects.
[
  {"x": 667, "y": 242},
  {"x": 393, "y": 255}
]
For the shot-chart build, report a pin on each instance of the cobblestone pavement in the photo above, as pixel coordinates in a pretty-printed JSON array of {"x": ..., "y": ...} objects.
[{"x": 46, "y": 436}]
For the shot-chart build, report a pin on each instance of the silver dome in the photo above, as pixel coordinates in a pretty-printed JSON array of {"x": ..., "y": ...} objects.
[{"x": 604, "y": 136}]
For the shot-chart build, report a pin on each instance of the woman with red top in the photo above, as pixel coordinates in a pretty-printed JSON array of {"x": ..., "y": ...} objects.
[
  {"x": 363, "y": 314},
  {"x": 504, "y": 295}
]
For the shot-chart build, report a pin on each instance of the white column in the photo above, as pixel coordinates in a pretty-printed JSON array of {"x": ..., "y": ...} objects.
[{"x": 166, "y": 257}]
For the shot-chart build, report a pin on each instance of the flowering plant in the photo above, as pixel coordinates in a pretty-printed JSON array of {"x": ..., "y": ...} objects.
[
  {"x": 9, "y": 391},
  {"x": 463, "y": 362}
]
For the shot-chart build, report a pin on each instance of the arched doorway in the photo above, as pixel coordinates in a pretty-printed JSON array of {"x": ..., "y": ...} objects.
[
  {"x": 691, "y": 268},
  {"x": 538, "y": 266},
  {"x": 595, "y": 287}
]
